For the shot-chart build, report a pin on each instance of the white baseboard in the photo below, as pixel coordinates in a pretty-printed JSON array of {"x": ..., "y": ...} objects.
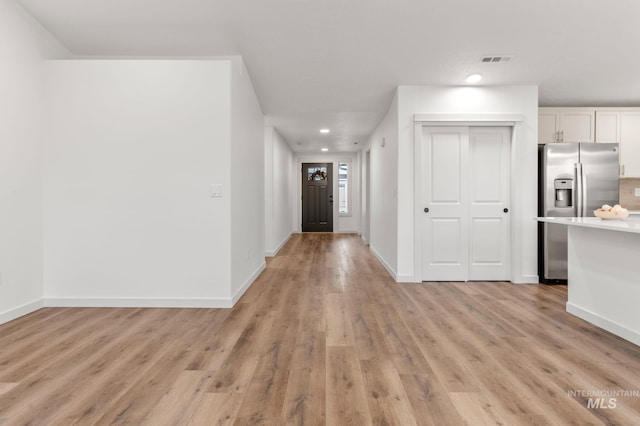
[
  {"x": 248, "y": 283},
  {"x": 526, "y": 279},
  {"x": 406, "y": 279},
  {"x": 613, "y": 327},
  {"x": 130, "y": 302},
  {"x": 277, "y": 249},
  {"x": 384, "y": 263},
  {"x": 20, "y": 311},
  {"x": 135, "y": 302}
]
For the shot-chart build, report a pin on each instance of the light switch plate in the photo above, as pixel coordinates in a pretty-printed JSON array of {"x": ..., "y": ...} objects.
[
  {"x": 216, "y": 190},
  {"x": 637, "y": 192}
]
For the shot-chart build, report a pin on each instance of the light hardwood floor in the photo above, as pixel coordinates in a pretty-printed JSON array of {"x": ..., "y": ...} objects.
[{"x": 324, "y": 336}]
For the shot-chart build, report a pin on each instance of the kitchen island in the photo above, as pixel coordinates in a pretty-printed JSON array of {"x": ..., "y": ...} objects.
[{"x": 604, "y": 272}]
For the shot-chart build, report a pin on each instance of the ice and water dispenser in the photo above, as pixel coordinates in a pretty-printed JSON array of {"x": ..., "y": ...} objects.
[{"x": 564, "y": 192}]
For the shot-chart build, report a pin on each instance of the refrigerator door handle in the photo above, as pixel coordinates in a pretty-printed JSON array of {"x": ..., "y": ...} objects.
[
  {"x": 579, "y": 190},
  {"x": 585, "y": 202}
]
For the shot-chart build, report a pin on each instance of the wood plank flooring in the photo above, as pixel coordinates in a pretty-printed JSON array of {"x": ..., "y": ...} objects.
[{"x": 323, "y": 337}]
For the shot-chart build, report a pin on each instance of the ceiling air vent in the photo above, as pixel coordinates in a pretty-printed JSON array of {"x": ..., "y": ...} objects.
[{"x": 495, "y": 59}]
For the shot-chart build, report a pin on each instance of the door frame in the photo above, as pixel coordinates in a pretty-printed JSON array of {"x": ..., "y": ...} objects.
[
  {"x": 366, "y": 218},
  {"x": 513, "y": 121},
  {"x": 298, "y": 178}
]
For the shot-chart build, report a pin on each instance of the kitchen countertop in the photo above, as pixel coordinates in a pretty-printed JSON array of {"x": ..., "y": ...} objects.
[{"x": 631, "y": 224}]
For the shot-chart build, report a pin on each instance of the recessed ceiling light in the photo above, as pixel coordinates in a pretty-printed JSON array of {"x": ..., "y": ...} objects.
[
  {"x": 324, "y": 131},
  {"x": 325, "y": 149},
  {"x": 474, "y": 78}
]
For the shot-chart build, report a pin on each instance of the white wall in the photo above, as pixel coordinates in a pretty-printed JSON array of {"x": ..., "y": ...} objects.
[
  {"x": 365, "y": 166},
  {"x": 131, "y": 149},
  {"x": 247, "y": 182},
  {"x": 345, "y": 224},
  {"x": 384, "y": 188},
  {"x": 279, "y": 191},
  {"x": 23, "y": 47},
  {"x": 269, "y": 249},
  {"x": 522, "y": 100}
]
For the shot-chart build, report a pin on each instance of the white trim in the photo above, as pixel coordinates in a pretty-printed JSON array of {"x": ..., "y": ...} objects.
[
  {"x": 384, "y": 263},
  {"x": 406, "y": 279},
  {"x": 277, "y": 249},
  {"x": 456, "y": 119},
  {"x": 365, "y": 196},
  {"x": 346, "y": 231},
  {"x": 350, "y": 187},
  {"x": 417, "y": 200},
  {"x": 469, "y": 123},
  {"x": 247, "y": 284},
  {"x": 20, "y": 311},
  {"x": 135, "y": 302},
  {"x": 131, "y": 302},
  {"x": 599, "y": 321},
  {"x": 158, "y": 302},
  {"x": 526, "y": 279}
]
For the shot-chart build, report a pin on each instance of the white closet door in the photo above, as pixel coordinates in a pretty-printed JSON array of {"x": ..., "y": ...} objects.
[
  {"x": 489, "y": 238},
  {"x": 445, "y": 240},
  {"x": 466, "y": 184}
]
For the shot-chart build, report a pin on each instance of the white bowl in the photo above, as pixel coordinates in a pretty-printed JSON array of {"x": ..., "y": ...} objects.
[{"x": 611, "y": 215}]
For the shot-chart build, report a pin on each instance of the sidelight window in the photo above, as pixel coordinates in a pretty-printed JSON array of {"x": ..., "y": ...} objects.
[{"x": 343, "y": 188}]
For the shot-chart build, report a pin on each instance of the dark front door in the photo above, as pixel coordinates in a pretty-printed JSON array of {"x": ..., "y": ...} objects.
[{"x": 317, "y": 197}]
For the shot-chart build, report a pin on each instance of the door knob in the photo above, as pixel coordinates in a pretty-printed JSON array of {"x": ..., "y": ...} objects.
[
  {"x": 506, "y": 210},
  {"x": 426, "y": 209}
]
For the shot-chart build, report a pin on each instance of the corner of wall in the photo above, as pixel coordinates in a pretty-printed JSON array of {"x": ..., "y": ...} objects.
[
  {"x": 247, "y": 190},
  {"x": 250, "y": 280},
  {"x": 383, "y": 214},
  {"x": 21, "y": 310},
  {"x": 21, "y": 185},
  {"x": 279, "y": 193},
  {"x": 274, "y": 252}
]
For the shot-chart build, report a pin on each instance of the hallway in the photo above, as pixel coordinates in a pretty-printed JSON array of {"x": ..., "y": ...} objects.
[{"x": 324, "y": 336}]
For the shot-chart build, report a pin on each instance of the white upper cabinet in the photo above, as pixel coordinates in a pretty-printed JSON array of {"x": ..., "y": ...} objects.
[
  {"x": 621, "y": 125},
  {"x": 603, "y": 125},
  {"x": 577, "y": 125},
  {"x": 630, "y": 143},
  {"x": 548, "y": 125},
  {"x": 566, "y": 125},
  {"x": 607, "y": 126}
]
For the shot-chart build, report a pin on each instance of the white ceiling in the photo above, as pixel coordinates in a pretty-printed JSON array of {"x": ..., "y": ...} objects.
[{"x": 335, "y": 63}]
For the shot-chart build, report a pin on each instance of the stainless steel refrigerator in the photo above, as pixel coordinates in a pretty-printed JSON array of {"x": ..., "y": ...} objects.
[{"x": 574, "y": 180}]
